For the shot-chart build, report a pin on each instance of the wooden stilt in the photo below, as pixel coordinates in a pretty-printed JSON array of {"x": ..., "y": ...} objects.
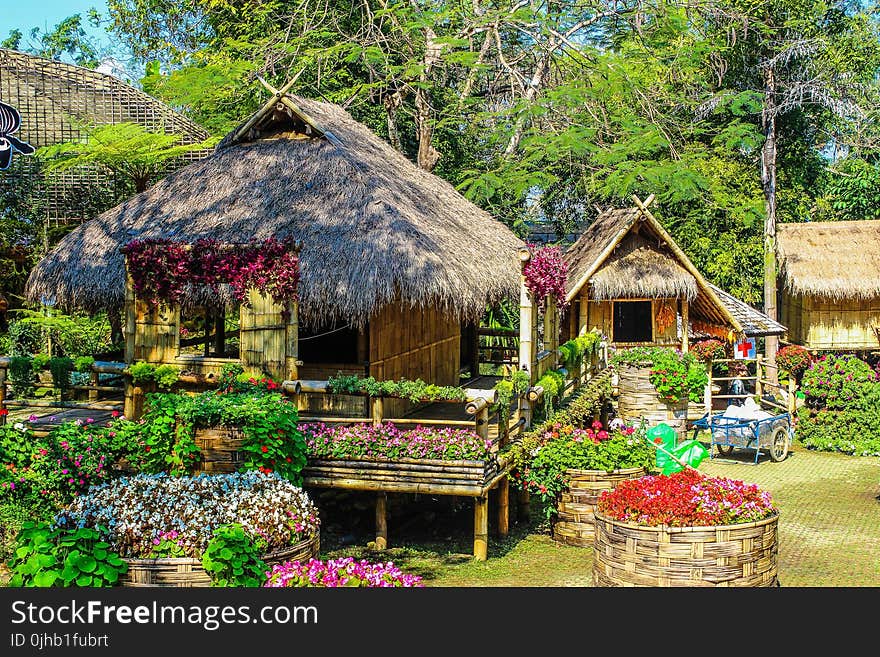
[
  {"x": 481, "y": 527},
  {"x": 503, "y": 507},
  {"x": 381, "y": 521},
  {"x": 523, "y": 505}
]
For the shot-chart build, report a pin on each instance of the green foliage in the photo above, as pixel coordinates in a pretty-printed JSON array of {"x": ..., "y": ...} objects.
[
  {"x": 47, "y": 557},
  {"x": 61, "y": 367},
  {"x": 40, "y": 361},
  {"x": 268, "y": 422},
  {"x": 13, "y": 515},
  {"x": 674, "y": 375},
  {"x": 164, "y": 376},
  {"x": 232, "y": 558},
  {"x": 511, "y": 386},
  {"x": 125, "y": 149},
  {"x": 854, "y": 430},
  {"x": 72, "y": 335},
  {"x": 415, "y": 391},
  {"x": 21, "y": 376},
  {"x": 83, "y": 363},
  {"x": 837, "y": 382}
]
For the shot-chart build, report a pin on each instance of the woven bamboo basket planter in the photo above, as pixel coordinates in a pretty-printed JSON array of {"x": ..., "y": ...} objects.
[
  {"x": 187, "y": 572},
  {"x": 576, "y": 509},
  {"x": 626, "y": 554},
  {"x": 639, "y": 399},
  {"x": 220, "y": 449}
]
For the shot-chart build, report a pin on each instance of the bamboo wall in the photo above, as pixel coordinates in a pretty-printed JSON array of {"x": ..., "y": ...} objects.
[
  {"x": 414, "y": 343},
  {"x": 817, "y": 323},
  {"x": 600, "y": 314}
]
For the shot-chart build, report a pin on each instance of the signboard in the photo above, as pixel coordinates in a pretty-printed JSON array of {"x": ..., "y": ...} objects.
[
  {"x": 745, "y": 349},
  {"x": 10, "y": 122}
]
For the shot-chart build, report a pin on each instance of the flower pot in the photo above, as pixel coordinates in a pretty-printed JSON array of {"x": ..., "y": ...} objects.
[
  {"x": 639, "y": 399},
  {"x": 186, "y": 572},
  {"x": 626, "y": 554},
  {"x": 576, "y": 508}
]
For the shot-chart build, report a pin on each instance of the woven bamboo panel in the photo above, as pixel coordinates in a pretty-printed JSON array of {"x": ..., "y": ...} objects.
[
  {"x": 220, "y": 449},
  {"x": 184, "y": 572},
  {"x": 574, "y": 524},
  {"x": 638, "y": 398},
  {"x": 731, "y": 555}
]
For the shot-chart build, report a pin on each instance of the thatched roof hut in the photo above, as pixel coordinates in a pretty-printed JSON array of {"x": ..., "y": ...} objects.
[
  {"x": 374, "y": 228},
  {"x": 829, "y": 283},
  {"x": 625, "y": 268}
]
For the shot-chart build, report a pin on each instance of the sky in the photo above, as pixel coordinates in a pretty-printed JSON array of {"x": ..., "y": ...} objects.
[{"x": 45, "y": 14}]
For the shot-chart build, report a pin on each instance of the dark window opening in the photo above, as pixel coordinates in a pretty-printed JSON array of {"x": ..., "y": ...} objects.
[
  {"x": 209, "y": 332},
  {"x": 329, "y": 343},
  {"x": 633, "y": 321}
]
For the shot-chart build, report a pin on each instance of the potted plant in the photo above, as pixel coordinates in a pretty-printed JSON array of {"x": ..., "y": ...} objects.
[
  {"x": 171, "y": 531},
  {"x": 794, "y": 359},
  {"x": 685, "y": 529},
  {"x": 567, "y": 467}
]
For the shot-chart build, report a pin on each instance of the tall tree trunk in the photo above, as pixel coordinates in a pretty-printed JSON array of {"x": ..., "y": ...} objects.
[
  {"x": 428, "y": 155},
  {"x": 768, "y": 182},
  {"x": 535, "y": 85}
]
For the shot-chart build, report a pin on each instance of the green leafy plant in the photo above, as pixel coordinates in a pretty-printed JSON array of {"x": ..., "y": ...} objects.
[
  {"x": 794, "y": 359},
  {"x": 61, "y": 367},
  {"x": 21, "y": 376},
  {"x": 40, "y": 362},
  {"x": 47, "y": 556},
  {"x": 164, "y": 376},
  {"x": 232, "y": 558},
  {"x": 553, "y": 383},
  {"x": 83, "y": 363},
  {"x": 674, "y": 375},
  {"x": 141, "y": 372},
  {"x": 413, "y": 390}
]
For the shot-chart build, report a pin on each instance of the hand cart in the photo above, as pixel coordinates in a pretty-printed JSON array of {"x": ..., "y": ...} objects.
[{"x": 773, "y": 434}]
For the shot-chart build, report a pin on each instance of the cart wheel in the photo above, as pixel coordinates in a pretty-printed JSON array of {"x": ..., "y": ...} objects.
[
  {"x": 725, "y": 450},
  {"x": 779, "y": 444}
]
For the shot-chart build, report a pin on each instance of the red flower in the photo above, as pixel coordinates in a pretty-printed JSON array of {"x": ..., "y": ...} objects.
[
  {"x": 115, "y": 414},
  {"x": 4, "y": 412},
  {"x": 264, "y": 449}
]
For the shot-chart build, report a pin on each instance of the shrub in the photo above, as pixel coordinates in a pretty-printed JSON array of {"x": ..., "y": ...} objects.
[
  {"x": 139, "y": 511},
  {"x": 686, "y": 498},
  {"x": 339, "y": 572},
  {"x": 21, "y": 376},
  {"x": 835, "y": 381},
  {"x": 794, "y": 359},
  {"x": 232, "y": 558}
]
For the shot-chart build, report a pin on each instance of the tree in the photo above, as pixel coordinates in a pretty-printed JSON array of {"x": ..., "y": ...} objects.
[{"x": 126, "y": 149}]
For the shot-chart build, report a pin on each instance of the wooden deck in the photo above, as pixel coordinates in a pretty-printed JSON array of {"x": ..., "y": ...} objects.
[{"x": 42, "y": 424}]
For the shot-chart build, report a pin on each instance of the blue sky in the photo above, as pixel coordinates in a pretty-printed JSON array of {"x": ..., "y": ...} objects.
[{"x": 45, "y": 14}]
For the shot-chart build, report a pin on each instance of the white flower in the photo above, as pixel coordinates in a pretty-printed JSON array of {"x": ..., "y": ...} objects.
[{"x": 18, "y": 426}]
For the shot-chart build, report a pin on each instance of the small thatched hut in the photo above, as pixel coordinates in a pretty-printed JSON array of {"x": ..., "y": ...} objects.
[
  {"x": 829, "y": 284},
  {"x": 393, "y": 259},
  {"x": 628, "y": 278}
]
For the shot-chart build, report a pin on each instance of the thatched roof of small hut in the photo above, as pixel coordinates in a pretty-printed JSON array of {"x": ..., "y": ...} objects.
[
  {"x": 374, "y": 227},
  {"x": 626, "y": 253},
  {"x": 837, "y": 260}
]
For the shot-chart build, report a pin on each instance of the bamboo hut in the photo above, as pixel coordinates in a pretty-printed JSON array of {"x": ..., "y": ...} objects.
[
  {"x": 628, "y": 278},
  {"x": 393, "y": 260},
  {"x": 829, "y": 284}
]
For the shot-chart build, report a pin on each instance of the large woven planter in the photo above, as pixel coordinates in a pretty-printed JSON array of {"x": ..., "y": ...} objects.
[
  {"x": 220, "y": 449},
  {"x": 575, "y": 511},
  {"x": 188, "y": 572},
  {"x": 627, "y": 554},
  {"x": 639, "y": 399}
]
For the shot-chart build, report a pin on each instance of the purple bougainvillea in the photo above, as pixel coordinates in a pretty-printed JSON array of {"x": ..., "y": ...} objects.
[{"x": 545, "y": 275}]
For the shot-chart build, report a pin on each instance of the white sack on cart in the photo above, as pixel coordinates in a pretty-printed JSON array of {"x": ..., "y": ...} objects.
[{"x": 750, "y": 410}]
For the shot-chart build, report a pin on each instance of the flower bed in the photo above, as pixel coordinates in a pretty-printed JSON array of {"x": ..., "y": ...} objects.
[
  {"x": 384, "y": 457},
  {"x": 542, "y": 462},
  {"x": 339, "y": 572},
  {"x": 162, "y": 525},
  {"x": 685, "y": 529}
]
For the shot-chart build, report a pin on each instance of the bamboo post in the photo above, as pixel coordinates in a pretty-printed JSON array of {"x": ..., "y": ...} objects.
[
  {"x": 220, "y": 333},
  {"x": 759, "y": 374},
  {"x": 525, "y": 411},
  {"x": 503, "y": 507},
  {"x": 481, "y": 420},
  {"x": 2, "y": 395},
  {"x": 684, "y": 325},
  {"x": 382, "y": 521},
  {"x": 481, "y": 527},
  {"x": 376, "y": 408},
  {"x": 526, "y": 320},
  {"x": 129, "y": 407},
  {"x": 792, "y": 400},
  {"x": 707, "y": 391},
  {"x": 291, "y": 338},
  {"x": 209, "y": 322},
  {"x": 551, "y": 340},
  {"x": 94, "y": 380},
  {"x": 524, "y": 504}
]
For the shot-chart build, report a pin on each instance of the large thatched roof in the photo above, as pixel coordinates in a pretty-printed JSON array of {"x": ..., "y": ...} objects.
[
  {"x": 626, "y": 253},
  {"x": 373, "y": 226},
  {"x": 832, "y": 259}
]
